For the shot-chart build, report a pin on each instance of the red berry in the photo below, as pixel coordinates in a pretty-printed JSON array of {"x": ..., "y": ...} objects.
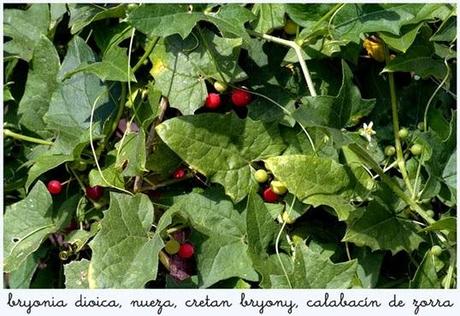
[
  {"x": 212, "y": 101},
  {"x": 186, "y": 250},
  {"x": 94, "y": 193},
  {"x": 270, "y": 196},
  {"x": 54, "y": 187},
  {"x": 241, "y": 97},
  {"x": 179, "y": 173}
]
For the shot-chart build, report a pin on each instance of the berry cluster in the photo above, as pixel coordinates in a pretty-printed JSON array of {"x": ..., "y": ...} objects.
[
  {"x": 239, "y": 97},
  {"x": 184, "y": 250}
]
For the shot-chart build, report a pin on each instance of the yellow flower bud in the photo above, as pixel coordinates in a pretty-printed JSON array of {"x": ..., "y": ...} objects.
[{"x": 374, "y": 49}]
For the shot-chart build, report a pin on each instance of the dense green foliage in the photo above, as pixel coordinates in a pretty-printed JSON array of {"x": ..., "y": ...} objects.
[{"x": 348, "y": 111}]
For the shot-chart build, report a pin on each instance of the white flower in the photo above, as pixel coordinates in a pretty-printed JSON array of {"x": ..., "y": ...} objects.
[{"x": 366, "y": 131}]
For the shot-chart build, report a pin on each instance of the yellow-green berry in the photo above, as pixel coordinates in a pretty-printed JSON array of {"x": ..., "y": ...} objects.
[
  {"x": 261, "y": 176},
  {"x": 278, "y": 187}
]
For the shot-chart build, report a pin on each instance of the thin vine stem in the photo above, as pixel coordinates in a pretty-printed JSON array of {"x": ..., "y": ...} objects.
[
  {"x": 9, "y": 133},
  {"x": 298, "y": 51},
  {"x": 148, "y": 50},
  {"x": 394, "y": 111},
  {"x": 277, "y": 243}
]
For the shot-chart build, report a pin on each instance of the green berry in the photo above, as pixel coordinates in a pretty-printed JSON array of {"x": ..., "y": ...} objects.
[
  {"x": 430, "y": 213},
  {"x": 421, "y": 126},
  {"x": 261, "y": 176},
  {"x": 220, "y": 86},
  {"x": 436, "y": 250},
  {"x": 172, "y": 246},
  {"x": 296, "y": 239},
  {"x": 390, "y": 150},
  {"x": 403, "y": 133},
  {"x": 79, "y": 165},
  {"x": 290, "y": 27},
  {"x": 278, "y": 187},
  {"x": 287, "y": 218},
  {"x": 416, "y": 149}
]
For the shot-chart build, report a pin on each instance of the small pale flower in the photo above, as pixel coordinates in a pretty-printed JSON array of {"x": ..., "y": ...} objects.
[{"x": 366, "y": 131}]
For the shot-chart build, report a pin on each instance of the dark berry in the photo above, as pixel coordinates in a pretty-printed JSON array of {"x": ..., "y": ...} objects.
[
  {"x": 212, "y": 101},
  {"x": 179, "y": 173},
  {"x": 54, "y": 187},
  {"x": 241, "y": 97},
  {"x": 270, "y": 196},
  {"x": 94, "y": 193}
]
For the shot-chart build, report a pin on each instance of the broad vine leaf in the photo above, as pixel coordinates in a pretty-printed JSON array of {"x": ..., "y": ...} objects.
[
  {"x": 335, "y": 111},
  {"x": 43, "y": 163},
  {"x": 82, "y": 15},
  {"x": 270, "y": 16},
  {"x": 180, "y": 67},
  {"x": 110, "y": 173},
  {"x": 28, "y": 223},
  {"x": 76, "y": 274},
  {"x": 224, "y": 253},
  {"x": 369, "y": 265},
  {"x": 22, "y": 276},
  {"x": 222, "y": 147},
  {"x": 355, "y": 19},
  {"x": 447, "y": 32},
  {"x": 71, "y": 104},
  {"x": 312, "y": 179},
  {"x": 25, "y": 28},
  {"x": 312, "y": 271},
  {"x": 404, "y": 41},
  {"x": 449, "y": 173},
  {"x": 113, "y": 67},
  {"x": 123, "y": 250},
  {"x": 131, "y": 154},
  {"x": 382, "y": 229},
  {"x": 168, "y": 19},
  {"x": 426, "y": 277},
  {"x": 41, "y": 83}
]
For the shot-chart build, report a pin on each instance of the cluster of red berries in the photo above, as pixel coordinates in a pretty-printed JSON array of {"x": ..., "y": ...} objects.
[
  {"x": 272, "y": 192},
  {"x": 183, "y": 250},
  {"x": 94, "y": 193},
  {"x": 239, "y": 97}
]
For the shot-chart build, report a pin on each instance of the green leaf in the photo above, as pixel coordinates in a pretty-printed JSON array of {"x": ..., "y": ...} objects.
[
  {"x": 71, "y": 104},
  {"x": 76, "y": 274},
  {"x": 131, "y": 154},
  {"x": 113, "y": 67},
  {"x": 308, "y": 15},
  {"x": 168, "y": 19},
  {"x": 25, "y": 27},
  {"x": 312, "y": 271},
  {"x": 180, "y": 67},
  {"x": 270, "y": 16},
  {"x": 339, "y": 111},
  {"x": 382, "y": 229},
  {"x": 162, "y": 160},
  {"x": 82, "y": 15},
  {"x": 355, "y": 19},
  {"x": 449, "y": 173},
  {"x": 223, "y": 253},
  {"x": 22, "y": 276},
  {"x": 27, "y": 224},
  {"x": 369, "y": 265},
  {"x": 123, "y": 251},
  {"x": 164, "y": 19},
  {"x": 44, "y": 163},
  {"x": 306, "y": 176},
  {"x": 447, "y": 32},
  {"x": 176, "y": 76},
  {"x": 40, "y": 85},
  {"x": 445, "y": 223},
  {"x": 222, "y": 147},
  {"x": 404, "y": 41},
  {"x": 426, "y": 277},
  {"x": 262, "y": 230}
]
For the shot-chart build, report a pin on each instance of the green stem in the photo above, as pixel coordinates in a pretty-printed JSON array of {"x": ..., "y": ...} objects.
[
  {"x": 327, "y": 16},
  {"x": 121, "y": 107},
  {"x": 298, "y": 51},
  {"x": 8, "y": 133},
  {"x": 394, "y": 110},
  {"x": 148, "y": 50}
]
